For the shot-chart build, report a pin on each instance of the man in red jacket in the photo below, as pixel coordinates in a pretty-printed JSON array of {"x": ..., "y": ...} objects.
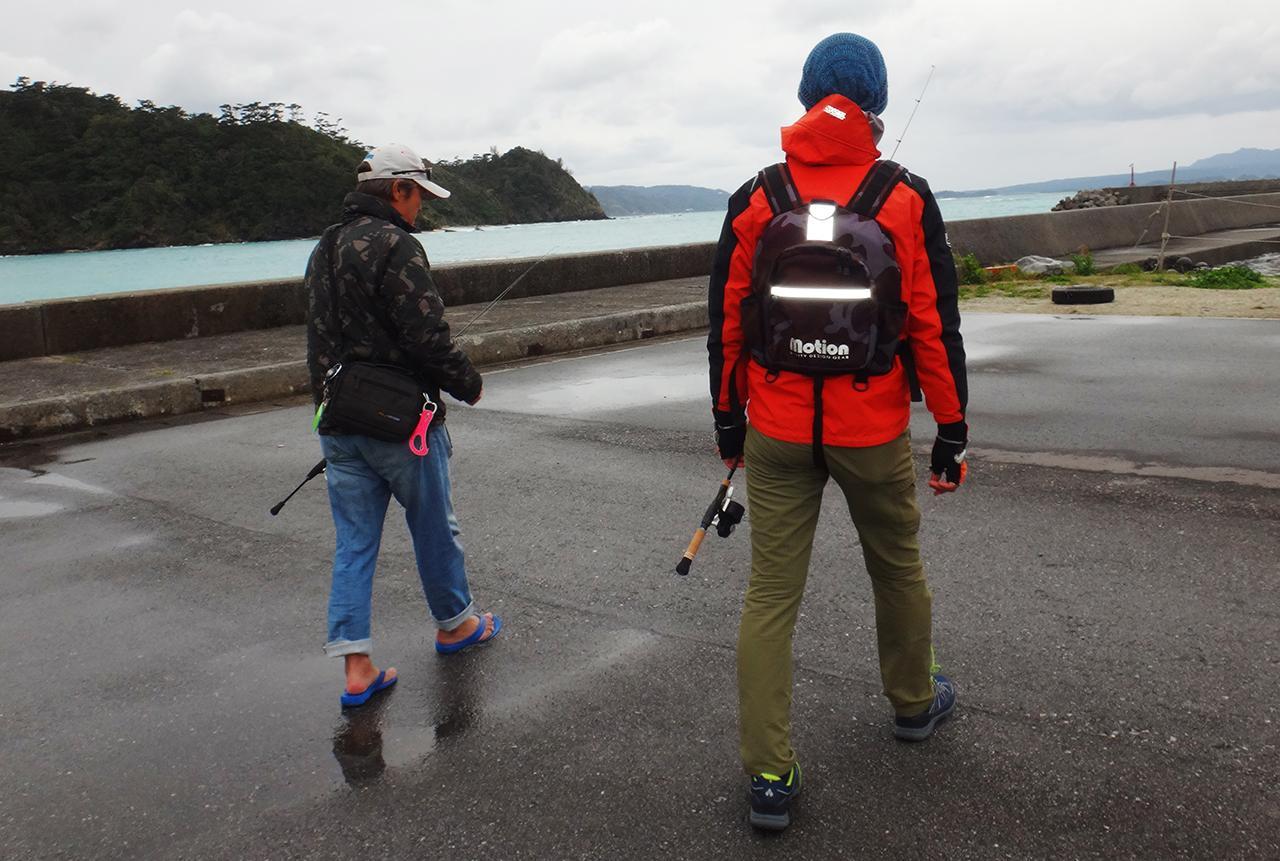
[{"x": 794, "y": 429}]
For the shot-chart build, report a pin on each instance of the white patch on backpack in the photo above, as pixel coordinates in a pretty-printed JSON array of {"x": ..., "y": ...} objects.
[
  {"x": 835, "y": 112},
  {"x": 820, "y": 348}
]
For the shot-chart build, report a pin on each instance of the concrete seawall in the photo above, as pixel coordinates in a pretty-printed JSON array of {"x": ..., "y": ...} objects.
[
  {"x": 74, "y": 325},
  {"x": 1001, "y": 240},
  {"x": 93, "y": 322}
]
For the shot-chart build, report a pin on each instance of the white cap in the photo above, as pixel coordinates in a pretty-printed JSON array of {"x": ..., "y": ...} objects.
[{"x": 396, "y": 161}]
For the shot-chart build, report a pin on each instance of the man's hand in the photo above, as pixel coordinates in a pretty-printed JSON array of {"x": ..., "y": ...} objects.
[
  {"x": 730, "y": 440},
  {"x": 947, "y": 466}
]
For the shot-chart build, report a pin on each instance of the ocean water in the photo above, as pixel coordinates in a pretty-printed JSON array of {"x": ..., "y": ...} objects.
[{"x": 54, "y": 276}]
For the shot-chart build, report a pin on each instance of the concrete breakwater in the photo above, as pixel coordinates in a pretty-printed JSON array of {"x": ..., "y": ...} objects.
[
  {"x": 74, "y": 325},
  {"x": 1226, "y": 188},
  {"x": 1003, "y": 240}
]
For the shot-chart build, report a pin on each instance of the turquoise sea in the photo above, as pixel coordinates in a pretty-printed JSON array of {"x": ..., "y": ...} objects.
[{"x": 87, "y": 273}]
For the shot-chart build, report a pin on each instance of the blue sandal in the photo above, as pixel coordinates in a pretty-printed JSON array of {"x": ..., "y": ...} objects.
[
  {"x": 477, "y": 637},
  {"x": 381, "y": 683}
]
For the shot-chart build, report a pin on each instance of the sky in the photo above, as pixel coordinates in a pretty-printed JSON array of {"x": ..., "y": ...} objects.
[{"x": 695, "y": 92}]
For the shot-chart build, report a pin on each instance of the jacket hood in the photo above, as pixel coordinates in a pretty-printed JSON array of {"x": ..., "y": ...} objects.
[
  {"x": 834, "y": 131},
  {"x": 357, "y": 204}
]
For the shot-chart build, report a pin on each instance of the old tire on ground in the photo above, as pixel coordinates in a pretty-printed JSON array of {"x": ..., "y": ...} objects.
[{"x": 1082, "y": 294}]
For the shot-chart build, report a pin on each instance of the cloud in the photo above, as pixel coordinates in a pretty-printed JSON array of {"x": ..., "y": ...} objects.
[
  {"x": 13, "y": 66},
  {"x": 597, "y": 54},
  {"x": 680, "y": 92},
  {"x": 1106, "y": 61}
]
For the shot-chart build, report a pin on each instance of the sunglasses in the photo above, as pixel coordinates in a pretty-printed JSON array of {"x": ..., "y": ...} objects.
[{"x": 424, "y": 170}]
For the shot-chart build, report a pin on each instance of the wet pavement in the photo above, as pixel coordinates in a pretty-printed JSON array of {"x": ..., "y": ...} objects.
[{"x": 1104, "y": 592}]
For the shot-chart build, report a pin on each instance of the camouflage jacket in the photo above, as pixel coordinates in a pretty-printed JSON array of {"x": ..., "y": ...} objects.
[{"x": 387, "y": 310}]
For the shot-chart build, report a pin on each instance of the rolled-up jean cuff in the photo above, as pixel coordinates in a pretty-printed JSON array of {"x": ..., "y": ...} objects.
[
  {"x": 338, "y": 648},
  {"x": 456, "y": 621}
]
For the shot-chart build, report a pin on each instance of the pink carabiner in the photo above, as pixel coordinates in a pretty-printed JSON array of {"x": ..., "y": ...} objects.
[{"x": 418, "y": 442}]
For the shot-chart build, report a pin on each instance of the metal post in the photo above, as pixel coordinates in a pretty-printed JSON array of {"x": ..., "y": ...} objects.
[{"x": 1168, "y": 210}]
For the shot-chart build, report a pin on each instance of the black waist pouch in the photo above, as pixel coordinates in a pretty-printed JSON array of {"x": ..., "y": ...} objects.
[{"x": 381, "y": 401}]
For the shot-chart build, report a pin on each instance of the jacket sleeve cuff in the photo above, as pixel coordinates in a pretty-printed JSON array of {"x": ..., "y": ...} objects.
[
  {"x": 470, "y": 388},
  {"x": 957, "y": 432},
  {"x": 728, "y": 419}
]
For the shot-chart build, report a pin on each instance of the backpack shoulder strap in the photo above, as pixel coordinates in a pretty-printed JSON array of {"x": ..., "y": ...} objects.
[
  {"x": 875, "y": 188},
  {"x": 779, "y": 188}
]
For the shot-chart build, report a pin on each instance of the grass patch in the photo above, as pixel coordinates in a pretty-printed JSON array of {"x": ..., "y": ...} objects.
[
  {"x": 1023, "y": 286},
  {"x": 1226, "y": 278},
  {"x": 971, "y": 271},
  {"x": 1008, "y": 288},
  {"x": 1083, "y": 262}
]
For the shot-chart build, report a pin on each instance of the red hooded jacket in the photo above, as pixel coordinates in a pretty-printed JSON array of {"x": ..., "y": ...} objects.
[{"x": 828, "y": 154}]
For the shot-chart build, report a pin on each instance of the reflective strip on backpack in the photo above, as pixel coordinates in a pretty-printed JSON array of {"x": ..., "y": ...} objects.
[
  {"x": 821, "y": 224},
  {"x": 782, "y": 291}
]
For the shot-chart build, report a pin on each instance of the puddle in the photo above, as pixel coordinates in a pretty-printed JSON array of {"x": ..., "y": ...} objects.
[
  {"x": 50, "y": 479},
  {"x": 608, "y": 393},
  {"x": 130, "y": 541},
  {"x": 26, "y": 456},
  {"x": 12, "y": 509}
]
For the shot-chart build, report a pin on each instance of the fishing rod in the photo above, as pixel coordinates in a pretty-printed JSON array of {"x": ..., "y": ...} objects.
[
  {"x": 723, "y": 513},
  {"x": 510, "y": 287},
  {"x": 315, "y": 470},
  {"x": 913, "y": 113}
]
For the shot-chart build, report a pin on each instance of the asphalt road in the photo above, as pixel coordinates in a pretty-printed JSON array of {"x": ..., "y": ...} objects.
[{"x": 1105, "y": 597}]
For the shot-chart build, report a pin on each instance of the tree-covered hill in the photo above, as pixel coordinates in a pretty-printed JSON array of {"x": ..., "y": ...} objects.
[
  {"x": 518, "y": 187},
  {"x": 83, "y": 171}
]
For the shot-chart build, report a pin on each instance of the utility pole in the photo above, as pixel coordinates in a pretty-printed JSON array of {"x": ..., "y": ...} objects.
[
  {"x": 1131, "y": 182},
  {"x": 1168, "y": 210}
]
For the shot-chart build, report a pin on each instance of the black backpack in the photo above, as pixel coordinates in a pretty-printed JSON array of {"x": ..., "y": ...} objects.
[{"x": 825, "y": 289}]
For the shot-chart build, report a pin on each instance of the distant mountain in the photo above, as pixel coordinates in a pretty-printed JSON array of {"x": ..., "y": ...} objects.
[
  {"x": 1241, "y": 164},
  {"x": 658, "y": 199},
  {"x": 1264, "y": 163}
]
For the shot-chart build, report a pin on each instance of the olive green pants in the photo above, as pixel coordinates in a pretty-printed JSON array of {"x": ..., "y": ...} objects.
[{"x": 784, "y": 492}]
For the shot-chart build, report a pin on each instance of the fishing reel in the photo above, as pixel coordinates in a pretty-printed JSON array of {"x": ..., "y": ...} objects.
[
  {"x": 730, "y": 515},
  {"x": 724, "y": 513}
]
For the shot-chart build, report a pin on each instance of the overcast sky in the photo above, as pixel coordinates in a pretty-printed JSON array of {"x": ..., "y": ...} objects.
[{"x": 695, "y": 92}]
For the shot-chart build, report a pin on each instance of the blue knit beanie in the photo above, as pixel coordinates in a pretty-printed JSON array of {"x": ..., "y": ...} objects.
[{"x": 849, "y": 65}]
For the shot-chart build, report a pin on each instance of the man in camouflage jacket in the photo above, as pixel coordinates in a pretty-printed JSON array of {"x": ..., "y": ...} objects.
[
  {"x": 372, "y": 300},
  {"x": 388, "y": 309}
]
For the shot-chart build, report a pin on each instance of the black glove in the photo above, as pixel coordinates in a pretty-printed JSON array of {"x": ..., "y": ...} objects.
[
  {"x": 949, "y": 449},
  {"x": 730, "y": 439}
]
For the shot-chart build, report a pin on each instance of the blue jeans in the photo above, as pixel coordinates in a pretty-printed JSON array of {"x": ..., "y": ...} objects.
[{"x": 363, "y": 474}]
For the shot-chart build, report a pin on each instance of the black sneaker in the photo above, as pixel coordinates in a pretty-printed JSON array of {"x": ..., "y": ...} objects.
[
  {"x": 771, "y": 797},
  {"x": 921, "y": 726}
]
